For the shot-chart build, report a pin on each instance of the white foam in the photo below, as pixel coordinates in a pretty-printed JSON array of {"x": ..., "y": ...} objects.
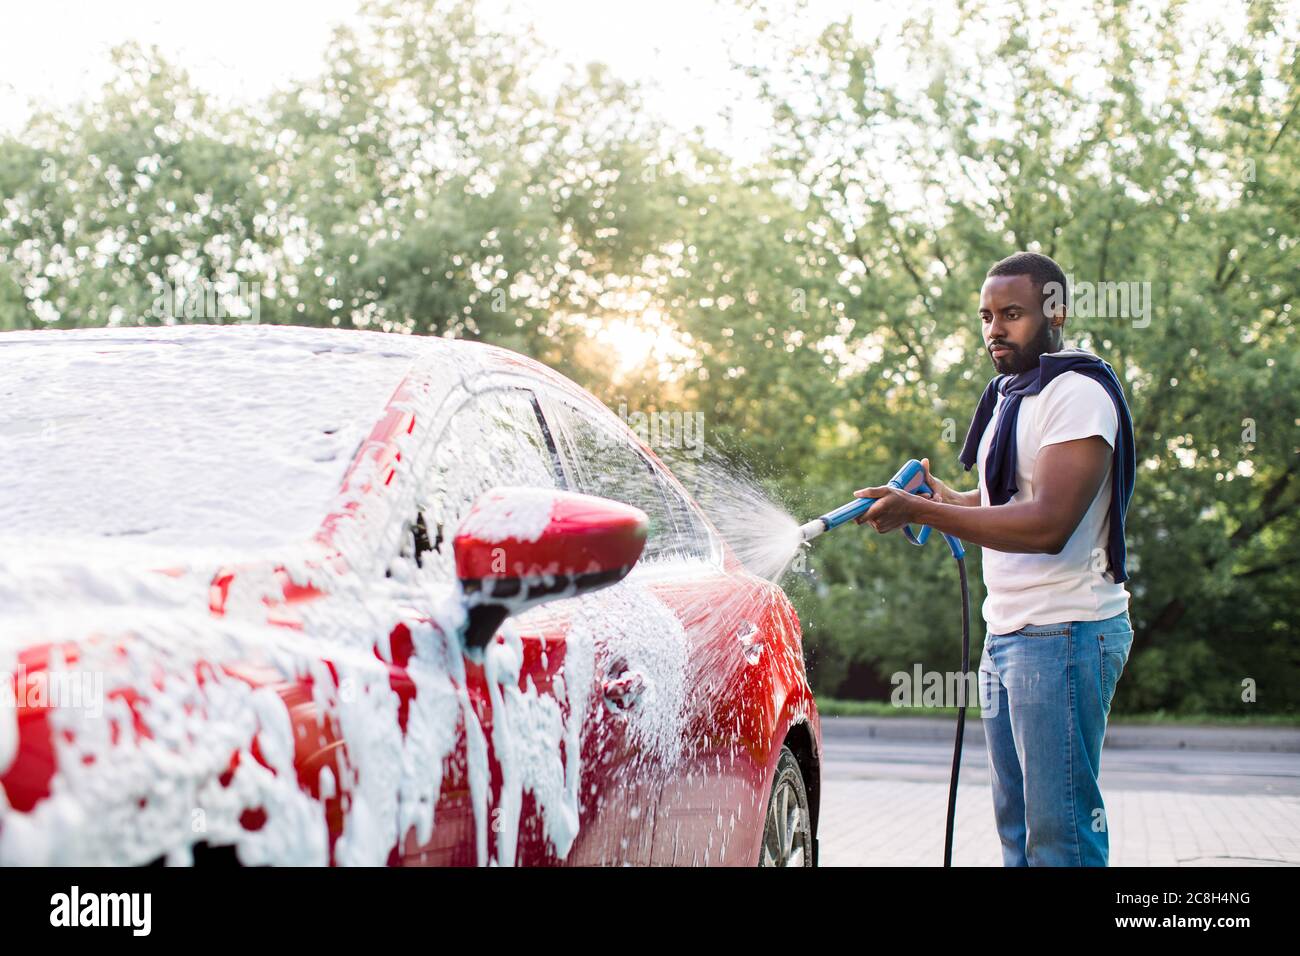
[{"x": 519, "y": 514}]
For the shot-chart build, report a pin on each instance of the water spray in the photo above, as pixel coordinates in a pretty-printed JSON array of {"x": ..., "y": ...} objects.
[{"x": 911, "y": 477}]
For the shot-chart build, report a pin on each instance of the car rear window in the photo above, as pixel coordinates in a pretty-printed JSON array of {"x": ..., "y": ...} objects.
[{"x": 236, "y": 440}]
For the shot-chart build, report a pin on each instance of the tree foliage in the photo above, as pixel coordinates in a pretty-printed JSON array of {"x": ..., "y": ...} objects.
[{"x": 823, "y": 300}]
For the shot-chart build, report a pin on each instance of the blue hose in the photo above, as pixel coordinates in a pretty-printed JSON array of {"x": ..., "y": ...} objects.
[{"x": 911, "y": 477}]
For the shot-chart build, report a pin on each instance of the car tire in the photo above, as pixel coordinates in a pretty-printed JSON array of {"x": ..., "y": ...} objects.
[{"x": 787, "y": 827}]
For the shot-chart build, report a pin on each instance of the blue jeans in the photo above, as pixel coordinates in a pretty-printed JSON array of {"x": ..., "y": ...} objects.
[{"x": 1045, "y": 694}]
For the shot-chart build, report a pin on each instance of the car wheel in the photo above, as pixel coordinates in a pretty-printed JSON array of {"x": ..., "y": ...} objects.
[{"x": 787, "y": 832}]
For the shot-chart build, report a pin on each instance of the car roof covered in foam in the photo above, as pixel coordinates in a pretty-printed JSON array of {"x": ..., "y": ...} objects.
[{"x": 179, "y": 436}]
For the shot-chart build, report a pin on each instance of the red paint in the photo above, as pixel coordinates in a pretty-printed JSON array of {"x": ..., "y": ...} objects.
[
  {"x": 584, "y": 534},
  {"x": 631, "y": 810}
]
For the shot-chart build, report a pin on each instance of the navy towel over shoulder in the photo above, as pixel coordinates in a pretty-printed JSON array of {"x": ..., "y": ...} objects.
[{"x": 1000, "y": 466}]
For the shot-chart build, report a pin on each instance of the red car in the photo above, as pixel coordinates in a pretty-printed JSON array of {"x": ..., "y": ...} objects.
[{"x": 281, "y": 595}]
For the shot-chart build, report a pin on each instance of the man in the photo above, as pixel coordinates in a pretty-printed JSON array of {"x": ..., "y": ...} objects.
[{"x": 1053, "y": 442}]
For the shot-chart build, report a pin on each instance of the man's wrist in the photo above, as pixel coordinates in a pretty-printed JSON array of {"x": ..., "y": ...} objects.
[{"x": 923, "y": 509}]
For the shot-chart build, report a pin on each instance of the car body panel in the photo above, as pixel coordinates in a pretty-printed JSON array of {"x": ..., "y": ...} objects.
[{"x": 315, "y": 703}]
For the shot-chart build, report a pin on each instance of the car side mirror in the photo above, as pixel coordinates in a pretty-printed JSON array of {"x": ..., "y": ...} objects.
[{"x": 519, "y": 547}]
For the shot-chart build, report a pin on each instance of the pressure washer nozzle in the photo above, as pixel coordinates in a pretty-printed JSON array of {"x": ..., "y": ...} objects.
[{"x": 812, "y": 529}]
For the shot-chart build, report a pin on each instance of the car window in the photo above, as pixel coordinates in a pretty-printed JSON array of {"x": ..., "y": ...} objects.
[
  {"x": 495, "y": 438},
  {"x": 600, "y": 460}
]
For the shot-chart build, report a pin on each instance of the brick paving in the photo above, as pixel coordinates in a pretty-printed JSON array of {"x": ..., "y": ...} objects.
[{"x": 884, "y": 801}]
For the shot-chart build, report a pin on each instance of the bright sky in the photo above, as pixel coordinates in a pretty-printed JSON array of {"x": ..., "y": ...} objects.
[
  {"x": 57, "y": 50},
  {"x": 677, "y": 50},
  {"x": 240, "y": 50}
]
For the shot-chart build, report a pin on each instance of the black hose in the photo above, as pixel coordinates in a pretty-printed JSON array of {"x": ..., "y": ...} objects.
[{"x": 961, "y": 710}]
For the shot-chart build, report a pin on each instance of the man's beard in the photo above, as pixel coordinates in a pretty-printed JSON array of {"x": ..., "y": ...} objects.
[{"x": 1024, "y": 358}]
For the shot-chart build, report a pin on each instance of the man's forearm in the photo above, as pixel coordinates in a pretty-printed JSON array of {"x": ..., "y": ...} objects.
[
  {"x": 1019, "y": 527},
  {"x": 967, "y": 499}
]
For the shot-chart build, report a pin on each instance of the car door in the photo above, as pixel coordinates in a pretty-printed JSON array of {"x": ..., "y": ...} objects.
[
  {"x": 700, "y": 655},
  {"x": 711, "y": 805},
  {"x": 512, "y": 792}
]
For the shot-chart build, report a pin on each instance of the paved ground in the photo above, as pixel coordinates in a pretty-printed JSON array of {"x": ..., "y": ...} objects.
[{"x": 1174, "y": 796}]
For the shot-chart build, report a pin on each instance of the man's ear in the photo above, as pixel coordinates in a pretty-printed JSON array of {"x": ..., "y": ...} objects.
[
  {"x": 1055, "y": 327},
  {"x": 1058, "y": 325}
]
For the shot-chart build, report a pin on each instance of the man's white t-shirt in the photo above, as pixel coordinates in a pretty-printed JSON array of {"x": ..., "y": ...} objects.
[{"x": 1076, "y": 584}]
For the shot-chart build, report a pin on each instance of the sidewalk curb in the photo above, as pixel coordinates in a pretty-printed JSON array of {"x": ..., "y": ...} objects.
[{"x": 1121, "y": 736}]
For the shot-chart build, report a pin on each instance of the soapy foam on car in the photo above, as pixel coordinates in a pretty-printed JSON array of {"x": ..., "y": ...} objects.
[
  {"x": 388, "y": 780},
  {"x": 151, "y": 792},
  {"x": 176, "y": 441},
  {"x": 522, "y": 515}
]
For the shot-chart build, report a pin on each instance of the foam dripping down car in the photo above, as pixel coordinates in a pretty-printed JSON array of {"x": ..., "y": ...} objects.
[{"x": 295, "y": 596}]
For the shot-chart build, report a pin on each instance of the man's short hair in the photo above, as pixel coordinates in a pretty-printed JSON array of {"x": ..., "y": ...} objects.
[{"x": 1042, "y": 271}]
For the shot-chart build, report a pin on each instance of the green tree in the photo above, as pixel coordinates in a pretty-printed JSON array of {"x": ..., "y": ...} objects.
[
  {"x": 1132, "y": 149},
  {"x": 823, "y": 299}
]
